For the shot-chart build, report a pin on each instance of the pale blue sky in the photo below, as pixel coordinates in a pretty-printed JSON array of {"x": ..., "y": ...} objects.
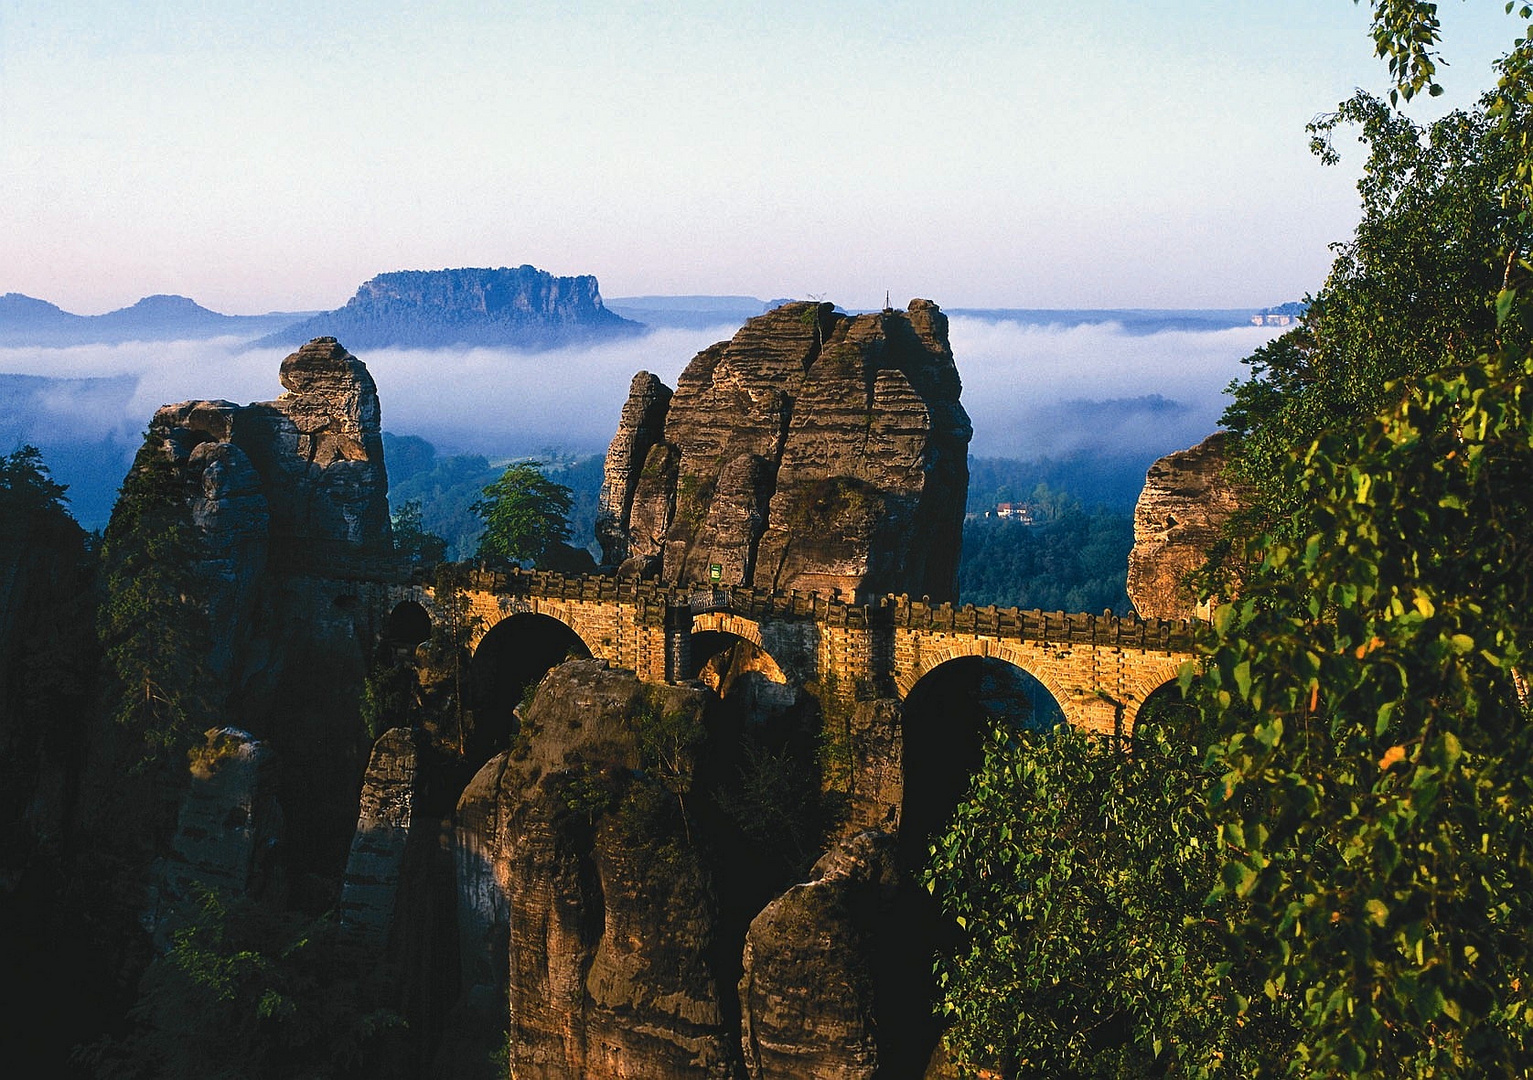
[{"x": 1022, "y": 154}]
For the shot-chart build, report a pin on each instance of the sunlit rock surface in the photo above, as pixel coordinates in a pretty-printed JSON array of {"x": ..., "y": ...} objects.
[
  {"x": 1186, "y": 500},
  {"x": 814, "y": 450}
]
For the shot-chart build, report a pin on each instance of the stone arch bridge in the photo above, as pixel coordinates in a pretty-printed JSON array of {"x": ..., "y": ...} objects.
[{"x": 1099, "y": 668}]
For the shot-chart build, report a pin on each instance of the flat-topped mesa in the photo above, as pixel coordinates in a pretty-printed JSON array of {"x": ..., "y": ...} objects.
[
  {"x": 814, "y": 450},
  {"x": 316, "y": 454}
]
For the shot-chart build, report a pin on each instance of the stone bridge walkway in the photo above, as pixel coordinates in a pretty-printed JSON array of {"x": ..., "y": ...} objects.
[{"x": 1099, "y": 668}]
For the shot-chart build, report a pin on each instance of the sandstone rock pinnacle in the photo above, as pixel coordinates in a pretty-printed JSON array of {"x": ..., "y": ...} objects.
[
  {"x": 1187, "y": 498},
  {"x": 814, "y": 450}
]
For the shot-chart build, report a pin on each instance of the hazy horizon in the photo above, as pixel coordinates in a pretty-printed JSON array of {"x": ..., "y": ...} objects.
[{"x": 1045, "y": 155}]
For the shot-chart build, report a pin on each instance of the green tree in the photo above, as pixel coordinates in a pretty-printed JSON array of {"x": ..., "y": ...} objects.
[
  {"x": 1413, "y": 291},
  {"x": 152, "y": 623},
  {"x": 250, "y": 993},
  {"x": 1374, "y": 796},
  {"x": 1375, "y": 790},
  {"x": 1367, "y": 781},
  {"x": 27, "y": 488},
  {"x": 669, "y": 741},
  {"x": 420, "y": 548},
  {"x": 524, "y": 514},
  {"x": 1078, "y": 871}
]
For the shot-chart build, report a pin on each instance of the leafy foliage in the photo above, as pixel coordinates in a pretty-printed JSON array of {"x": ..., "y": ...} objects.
[
  {"x": 247, "y": 993},
  {"x": 1078, "y": 871},
  {"x": 1376, "y": 785},
  {"x": 446, "y": 487},
  {"x": 1406, "y": 33},
  {"x": 1366, "y": 790},
  {"x": 27, "y": 488},
  {"x": 1413, "y": 291},
  {"x": 669, "y": 743},
  {"x": 524, "y": 514},
  {"x": 46, "y": 673},
  {"x": 152, "y": 624},
  {"x": 420, "y": 548},
  {"x": 388, "y": 696}
]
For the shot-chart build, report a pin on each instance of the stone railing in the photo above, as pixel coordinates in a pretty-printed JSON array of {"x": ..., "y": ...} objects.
[{"x": 1055, "y": 627}]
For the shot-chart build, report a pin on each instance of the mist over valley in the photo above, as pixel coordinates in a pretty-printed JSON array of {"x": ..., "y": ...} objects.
[{"x": 1108, "y": 390}]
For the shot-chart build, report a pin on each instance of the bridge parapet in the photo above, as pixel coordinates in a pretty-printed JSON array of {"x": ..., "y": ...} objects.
[
  {"x": 1100, "y": 668},
  {"x": 601, "y": 588},
  {"x": 1046, "y": 627},
  {"x": 1083, "y": 628}
]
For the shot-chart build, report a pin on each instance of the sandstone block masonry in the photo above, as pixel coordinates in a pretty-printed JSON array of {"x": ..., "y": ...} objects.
[{"x": 1100, "y": 668}]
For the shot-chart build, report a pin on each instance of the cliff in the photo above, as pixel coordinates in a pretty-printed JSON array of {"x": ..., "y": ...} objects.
[
  {"x": 521, "y": 308},
  {"x": 1186, "y": 500},
  {"x": 814, "y": 450},
  {"x": 290, "y": 503}
]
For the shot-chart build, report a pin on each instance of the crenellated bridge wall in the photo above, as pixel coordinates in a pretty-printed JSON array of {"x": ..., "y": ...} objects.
[{"x": 1100, "y": 668}]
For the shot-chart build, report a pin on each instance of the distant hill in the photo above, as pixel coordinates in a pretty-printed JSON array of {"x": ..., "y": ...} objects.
[
  {"x": 521, "y": 308},
  {"x": 25, "y": 320}
]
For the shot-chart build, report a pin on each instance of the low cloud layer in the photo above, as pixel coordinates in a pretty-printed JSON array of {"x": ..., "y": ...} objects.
[
  {"x": 1031, "y": 390},
  {"x": 1051, "y": 391}
]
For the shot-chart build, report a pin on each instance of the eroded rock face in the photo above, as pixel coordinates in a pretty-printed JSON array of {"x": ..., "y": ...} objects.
[
  {"x": 608, "y": 910},
  {"x": 290, "y": 502},
  {"x": 370, "y": 894},
  {"x": 1185, "y": 502},
  {"x": 640, "y": 427},
  {"x": 808, "y": 997},
  {"x": 814, "y": 451},
  {"x": 316, "y": 454},
  {"x": 229, "y": 820}
]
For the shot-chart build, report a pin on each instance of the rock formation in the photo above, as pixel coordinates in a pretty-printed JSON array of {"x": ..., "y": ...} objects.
[
  {"x": 1186, "y": 500},
  {"x": 229, "y": 820},
  {"x": 640, "y": 427},
  {"x": 317, "y": 452},
  {"x": 574, "y": 843},
  {"x": 814, "y": 451},
  {"x": 809, "y": 994},
  {"x": 290, "y": 501},
  {"x": 370, "y": 895},
  {"x": 521, "y": 308}
]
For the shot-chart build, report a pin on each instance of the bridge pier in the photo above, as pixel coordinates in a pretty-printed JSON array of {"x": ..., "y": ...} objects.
[{"x": 678, "y": 642}]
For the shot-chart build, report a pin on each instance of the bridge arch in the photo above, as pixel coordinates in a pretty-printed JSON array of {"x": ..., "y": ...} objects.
[
  {"x": 491, "y": 616},
  {"x": 726, "y": 623},
  {"x": 510, "y": 657},
  {"x": 960, "y": 694},
  {"x": 1011, "y": 652},
  {"x": 1152, "y": 680},
  {"x": 407, "y": 625}
]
